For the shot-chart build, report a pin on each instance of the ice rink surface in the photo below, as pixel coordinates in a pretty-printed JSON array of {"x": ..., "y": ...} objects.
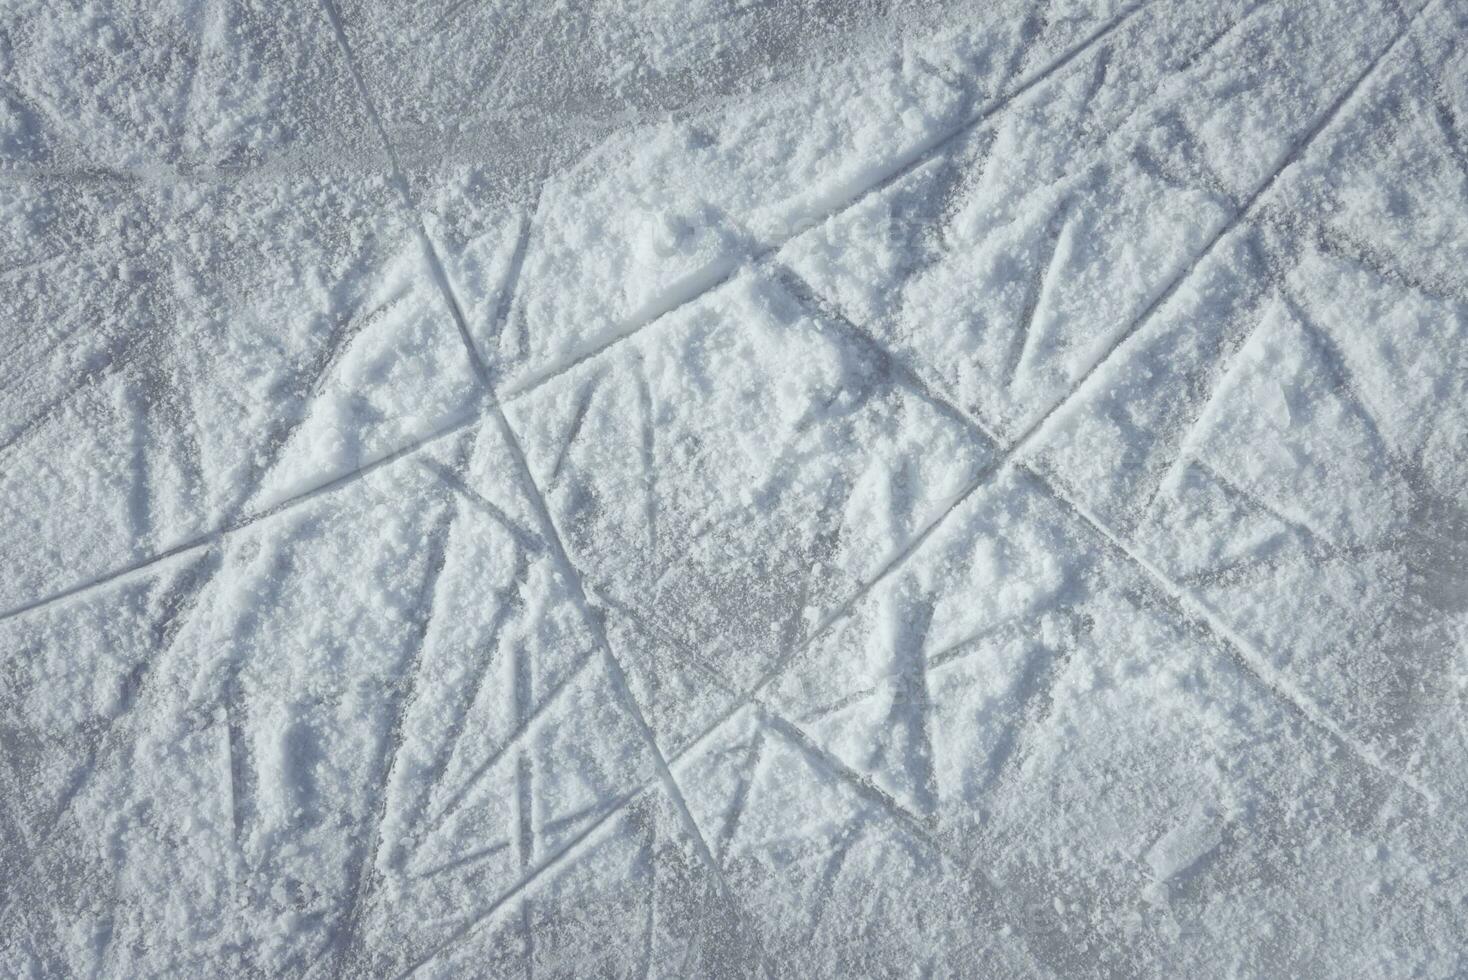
[{"x": 672, "y": 488}]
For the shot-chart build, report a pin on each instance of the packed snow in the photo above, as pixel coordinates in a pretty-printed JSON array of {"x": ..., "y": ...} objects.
[{"x": 671, "y": 488}]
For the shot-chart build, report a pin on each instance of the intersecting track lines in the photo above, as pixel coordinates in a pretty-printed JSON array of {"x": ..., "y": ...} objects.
[
  {"x": 821, "y": 209},
  {"x": 1194, "y": 609},
  {"x": 528, "y": 540},
  {"x": 1240, "y": 215},
  {"x": 837, "y": 204},
  {"x": 474, "y": 417},
  {"x": 541, "y": 866},
  {"x": 1223, "y": 362},
  {"x": 315, "y": 377},
  {"x": 315, "y": 373},
  {"x": 1303, "y": 233},
  {"x": 536, "y": 498},
  {"x": 840, "y": 200},
  {"x": 922, "y": 830},
  {"x": 507, "y": 601},
  {"x": 1244, "y": 652},
  {"x": 824, "y": 208},
  {"x": 210, "y": 561},
  {"x": 792, "y": 732},
  {"x": 569, "y": 849},
  {"x": 915, "y": 158},
  {"x": 208, "y": 549},
  {"x": 208, "y": 564},
  {"x": 615, "y": 673},
  {"x": 400, "y": 179},
  {"x": 523, "y": 727},
  {"x": 1199, "y": 613},
  {"x": 1070, "y": 398},
  {"x": 548, "y": 863},
  {"x": 232, "y": 526}
]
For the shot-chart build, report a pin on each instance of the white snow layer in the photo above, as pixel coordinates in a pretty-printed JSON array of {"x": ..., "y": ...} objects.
[{"x": 717, "y": 488}]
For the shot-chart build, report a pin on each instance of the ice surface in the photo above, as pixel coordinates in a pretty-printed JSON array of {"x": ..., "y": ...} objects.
[{"x": 721, "y": 488}]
